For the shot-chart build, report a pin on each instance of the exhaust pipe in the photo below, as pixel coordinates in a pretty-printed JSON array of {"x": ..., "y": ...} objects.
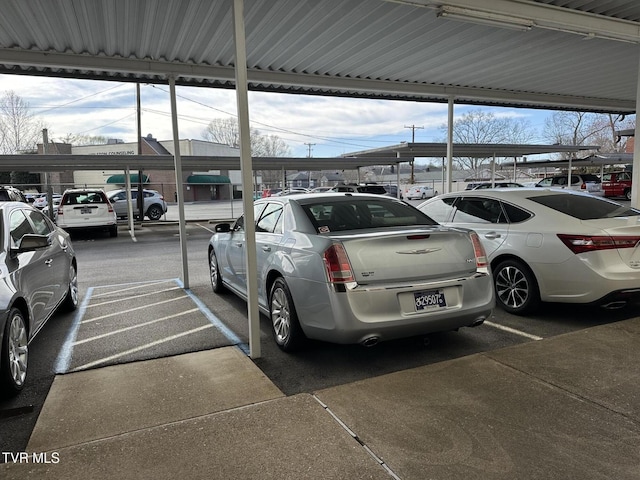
[
  {"x": 370, "y": 341},
  {"x": 615, "y": 305},
  {"x": 478, "y": 321}
]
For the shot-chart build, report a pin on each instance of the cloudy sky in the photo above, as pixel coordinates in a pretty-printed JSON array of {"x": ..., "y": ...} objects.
[{"x": 333, "y": 126}]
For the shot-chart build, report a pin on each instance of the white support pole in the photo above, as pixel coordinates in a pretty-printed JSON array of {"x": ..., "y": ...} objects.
[
  {"x": 127, "y": 192},
  {"x": 449, "y": 145},
  {"x": 399, "y": 194},
  {"x": 493, "y": 170},
  {"x": 246, "y": 166},
  {"x": 179, "y": 191},
  {"x": 635, "y": 172}
]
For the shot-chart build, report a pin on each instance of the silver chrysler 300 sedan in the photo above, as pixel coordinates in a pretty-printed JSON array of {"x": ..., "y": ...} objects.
[
  {"x": 38, "y": 275},
  {"x": 354, "y": 268}
]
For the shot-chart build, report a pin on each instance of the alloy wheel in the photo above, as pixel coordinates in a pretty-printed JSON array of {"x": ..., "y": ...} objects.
[
  {"x": 18, "y": 350},
  {"x": 512, "y": 287},
  {"x": 280, "y": 315}
]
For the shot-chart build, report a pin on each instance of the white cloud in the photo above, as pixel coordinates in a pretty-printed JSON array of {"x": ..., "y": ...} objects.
[{"x": 334, "y": 125}]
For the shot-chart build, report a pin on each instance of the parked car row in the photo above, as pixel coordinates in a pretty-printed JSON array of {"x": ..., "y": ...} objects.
[{"x": 361, "y": 268}]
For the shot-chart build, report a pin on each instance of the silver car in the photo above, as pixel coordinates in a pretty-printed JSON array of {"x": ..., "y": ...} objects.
[
  {"x": 154, "y": 203},
  {"x": 354, "y": 268},
  {"x": 38, "y": 275},
  {"x": 550, "y": 245}
]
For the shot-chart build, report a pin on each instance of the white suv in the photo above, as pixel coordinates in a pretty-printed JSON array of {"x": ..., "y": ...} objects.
[
  {"x": 582, "y": 182},
  {"x": 83, "y": 209}
]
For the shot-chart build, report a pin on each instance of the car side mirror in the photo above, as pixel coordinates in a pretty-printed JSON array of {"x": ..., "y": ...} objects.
[
  {"x": 223, "y": 228},
  {"x": 30, "y": 242}
]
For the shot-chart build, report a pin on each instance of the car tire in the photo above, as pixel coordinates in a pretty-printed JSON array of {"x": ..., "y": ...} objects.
[
  {"x": 627, "y": 194},
  {"x": 15, "y": 354},
  {"x": 516, "y": 287},
  {"x": 286, "y": 329},
  {"x": 71, "y": 300},
  {"x": 113, "y": 231},
  {"x": 154, "y": 212},
  {"x": 214, "y": 273}
]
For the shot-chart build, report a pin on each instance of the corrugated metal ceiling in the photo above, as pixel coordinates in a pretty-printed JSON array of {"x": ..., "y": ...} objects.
[{"x": 372, "y": 48}]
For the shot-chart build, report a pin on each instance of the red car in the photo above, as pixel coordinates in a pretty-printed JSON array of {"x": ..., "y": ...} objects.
[{"x": 617, "y": 184}]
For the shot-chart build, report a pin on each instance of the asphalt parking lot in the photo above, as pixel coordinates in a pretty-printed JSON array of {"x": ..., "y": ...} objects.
[{"x": 133, "y": 308}]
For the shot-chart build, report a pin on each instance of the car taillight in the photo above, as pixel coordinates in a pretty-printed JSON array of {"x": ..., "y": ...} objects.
[
  {"x": 583, "y": 186},
  {"x": 337, "y": 264},
  {"x": 478, "y": 250},
  {"x": 591, "y": 243}
]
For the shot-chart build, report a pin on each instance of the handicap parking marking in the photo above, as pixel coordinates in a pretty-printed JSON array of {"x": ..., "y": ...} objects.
[
  {"x": 101, "y": 334},
  {"x": 129, "y": 310},
  {"x": 138, "y": 349},
  {"x": 138, "y": 325}
]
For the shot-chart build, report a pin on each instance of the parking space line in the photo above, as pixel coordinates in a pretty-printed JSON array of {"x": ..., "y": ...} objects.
[
  {"x": 138, "y": 325},
  {"x": 134, "y": 287},
  {"x": 512, "y": 330},
  {"x": 119, "y": 300},
  {"x": 64, "y": 357},
  {"x": 215, "y": 321},
  {"x": 207, "y": 229},
  {"x": 142, "y": 307},
  {"x": 137, "y": 349}
]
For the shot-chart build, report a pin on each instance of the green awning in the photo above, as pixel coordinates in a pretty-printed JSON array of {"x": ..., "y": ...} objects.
[
  {"x": 208, "y": 179},
  {"x": 120, "y": 179}
]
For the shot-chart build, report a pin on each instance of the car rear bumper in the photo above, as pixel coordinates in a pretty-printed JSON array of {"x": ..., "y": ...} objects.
[{"x": 367, "y": 314}]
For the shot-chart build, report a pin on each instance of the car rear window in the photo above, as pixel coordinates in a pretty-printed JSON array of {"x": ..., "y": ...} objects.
[
  {"x": 376, "y": 189},
  {"x": 81, "y": 198},
  {"x": 352, "y": 214},
  {"x": 585, "y": 207}
]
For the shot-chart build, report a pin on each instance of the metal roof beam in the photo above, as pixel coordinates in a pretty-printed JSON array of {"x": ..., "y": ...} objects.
[{"x": 264, "y": 80}]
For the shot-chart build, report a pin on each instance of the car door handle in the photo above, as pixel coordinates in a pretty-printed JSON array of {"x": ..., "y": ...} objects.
[
  {"x": 492, "y": 235},
  {"x": 239, "y": 245},
  {"x": 48, "y": 262},
  {"x": 266, "y": 248}
]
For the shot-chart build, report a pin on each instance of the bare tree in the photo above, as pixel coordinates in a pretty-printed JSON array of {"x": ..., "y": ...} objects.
[
  {"x": 270, "y": 146},
  {"x": 582, "y": 128},
  {"x": 226, "y": 132},
  {"x": 479, "y": 126},
  {"x": 19, "y": 129},
  {"x": 75, "y": 139}
]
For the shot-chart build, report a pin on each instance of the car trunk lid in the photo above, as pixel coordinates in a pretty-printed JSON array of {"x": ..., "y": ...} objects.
[{"x": 407, "y": 254}]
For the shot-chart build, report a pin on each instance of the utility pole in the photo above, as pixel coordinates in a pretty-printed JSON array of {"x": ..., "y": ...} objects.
[
  {"x": 413, "y": 140},
  {"x": 309, "y": 145},
  {"x": 309, "y": 171}
]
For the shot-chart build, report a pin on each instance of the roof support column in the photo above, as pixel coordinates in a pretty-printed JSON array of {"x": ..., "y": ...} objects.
[
  {"x": 178, "y": 169},
  {"x": 246, "y": 167},
  {"x": 449, "y": 144},
  {"x": 635, "y": 172}
]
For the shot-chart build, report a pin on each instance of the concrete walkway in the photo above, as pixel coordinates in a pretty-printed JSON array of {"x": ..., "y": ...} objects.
[{"x": 567, "y": 407}]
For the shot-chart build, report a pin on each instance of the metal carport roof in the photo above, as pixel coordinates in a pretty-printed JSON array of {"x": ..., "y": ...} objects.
[
  {"x": 573, "y": 54},
  {"x": 478, "y": 150}
]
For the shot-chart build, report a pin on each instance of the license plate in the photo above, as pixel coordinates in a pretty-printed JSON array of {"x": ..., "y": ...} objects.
[
  {"x": 429, "y": 299},
  {"x": 84, "y": 210}
]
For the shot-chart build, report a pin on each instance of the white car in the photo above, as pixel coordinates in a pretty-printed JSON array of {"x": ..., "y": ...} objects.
[
  {"x": 87, "y": 209},
  {"x": 419, "y": 192},
  {"x": 583, "y": 182},
  {"x": 550, "y": 245}
]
